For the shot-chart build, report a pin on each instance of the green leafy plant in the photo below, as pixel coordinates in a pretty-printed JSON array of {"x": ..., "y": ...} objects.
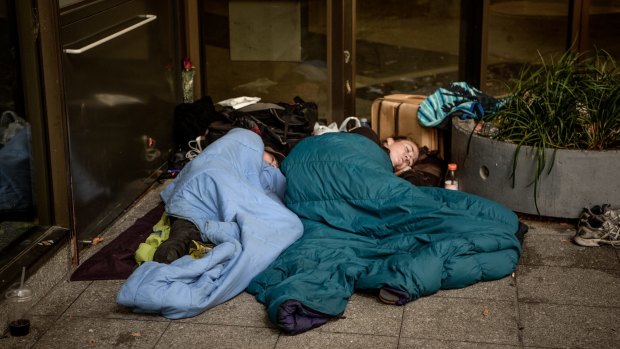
[{"x": 571, "y": 103}]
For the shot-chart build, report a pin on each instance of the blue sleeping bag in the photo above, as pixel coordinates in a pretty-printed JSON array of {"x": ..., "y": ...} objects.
[
  {"x": 365, "y": 228},
  {"x": 234, "y": 198}
]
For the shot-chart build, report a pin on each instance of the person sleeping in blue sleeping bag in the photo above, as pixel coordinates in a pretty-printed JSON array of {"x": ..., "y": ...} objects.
[
  {"x": 183, "y": 232},
  {"x": 231, "y": 196},
  {"x": 367, "y": 229}
]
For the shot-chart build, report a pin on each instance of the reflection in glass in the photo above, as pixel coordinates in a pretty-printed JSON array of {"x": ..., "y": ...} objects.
[
  {"x": 404, "y": 47},
  {"x": 17, "y": 212},
  {"x": 274, "y": 50},
  {"x": 518, "y": 31},
  {"x": 604, "y": 28}
]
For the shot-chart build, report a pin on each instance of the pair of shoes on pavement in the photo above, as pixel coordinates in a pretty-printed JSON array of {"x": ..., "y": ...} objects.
[{"x": 598, "y": 225}]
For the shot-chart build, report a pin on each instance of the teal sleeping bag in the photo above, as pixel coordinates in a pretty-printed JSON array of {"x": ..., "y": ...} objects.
[{"x": 365, "y": 228}]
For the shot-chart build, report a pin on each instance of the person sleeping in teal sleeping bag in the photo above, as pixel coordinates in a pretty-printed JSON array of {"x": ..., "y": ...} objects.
[{"x": 367, "y": 229}]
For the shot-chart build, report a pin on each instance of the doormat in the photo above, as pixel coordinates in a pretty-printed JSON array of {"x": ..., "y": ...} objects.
[{"x": 116, "y": 260}]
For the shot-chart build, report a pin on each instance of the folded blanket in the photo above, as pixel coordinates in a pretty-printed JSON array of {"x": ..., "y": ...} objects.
[
  {"x": 365, "y": 228},
  {"x": 234, "y": 198}
]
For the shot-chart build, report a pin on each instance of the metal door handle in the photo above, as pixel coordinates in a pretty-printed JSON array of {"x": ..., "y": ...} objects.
[{"x": 77, "y": 51}]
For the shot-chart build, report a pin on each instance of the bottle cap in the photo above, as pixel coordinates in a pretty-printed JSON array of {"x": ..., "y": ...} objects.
[{"x": 452, "y": 167}]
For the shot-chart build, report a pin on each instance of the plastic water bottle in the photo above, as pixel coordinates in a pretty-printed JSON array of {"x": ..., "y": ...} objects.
[
  {"x": 364, "y": 122},
  {"x": 451, "y": 181}
]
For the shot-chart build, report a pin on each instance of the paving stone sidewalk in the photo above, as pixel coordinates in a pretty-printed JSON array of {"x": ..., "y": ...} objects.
[{"x": 561, "y": 296}]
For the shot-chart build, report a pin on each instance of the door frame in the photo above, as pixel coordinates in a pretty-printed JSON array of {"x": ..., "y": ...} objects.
[
  {"x": 341, "y": 55},
  {"x": 56, "y": 132}
]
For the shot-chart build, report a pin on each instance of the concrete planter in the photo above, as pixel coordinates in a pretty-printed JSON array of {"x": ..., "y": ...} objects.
[{"x": 578, "y": 178}]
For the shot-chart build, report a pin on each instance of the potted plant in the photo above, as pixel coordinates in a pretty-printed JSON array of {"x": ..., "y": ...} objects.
[{"x": 554, "y": 147}]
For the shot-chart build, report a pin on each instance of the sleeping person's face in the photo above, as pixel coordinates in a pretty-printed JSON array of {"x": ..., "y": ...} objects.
[
  {"x": 270, "y": 159},
  {"x": 403, "y": 153}
]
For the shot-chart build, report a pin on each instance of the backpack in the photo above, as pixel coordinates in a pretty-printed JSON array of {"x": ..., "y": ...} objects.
[
  {"x": 280, "y": 125},
  {"x": 198, "y": 124}
]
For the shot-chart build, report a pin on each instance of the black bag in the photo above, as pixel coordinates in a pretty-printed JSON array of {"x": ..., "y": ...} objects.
[
  {"x": 192, "y": 120},
  {"x": 280, "y": 125}
]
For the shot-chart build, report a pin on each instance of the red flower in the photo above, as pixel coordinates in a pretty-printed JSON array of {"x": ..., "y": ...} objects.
[{"x": 187, "y": 63}]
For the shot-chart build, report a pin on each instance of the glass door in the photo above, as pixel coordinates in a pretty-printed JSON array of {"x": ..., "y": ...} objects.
[
  {"x": 25, "y": 209},
  {"x": 274, "y": 50},
  {"x": 344, "y": 54},
  {"x": 404, "y": 46},
  {"x": 524, "y": 32},
  {"x": 604, "y": 31},
  {"x": 17, "y": 210},
  {"x": 15, "y": 129},
  {"x": 519, "y": 33}
]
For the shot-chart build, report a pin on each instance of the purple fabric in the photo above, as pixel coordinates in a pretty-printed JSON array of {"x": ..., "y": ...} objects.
[
  {"x": 403, "y": 297},
  {"x": 116, "y": 260},
  {"x": 294, "y": 317}
]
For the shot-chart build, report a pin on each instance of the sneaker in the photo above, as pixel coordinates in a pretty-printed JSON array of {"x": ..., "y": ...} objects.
[
  {"x": 590, "y": 233},
  {"x": 521, "y": 231},
  {"x": 601, "y": 213}
]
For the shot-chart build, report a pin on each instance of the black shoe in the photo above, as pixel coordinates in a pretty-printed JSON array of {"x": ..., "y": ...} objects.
[
  {"x": 521, "y": 231},
  {"x": 182, "y": 232}
]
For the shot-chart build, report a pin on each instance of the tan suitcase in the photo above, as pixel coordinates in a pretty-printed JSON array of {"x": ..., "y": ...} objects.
[{"x": 397, "y": 115}]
